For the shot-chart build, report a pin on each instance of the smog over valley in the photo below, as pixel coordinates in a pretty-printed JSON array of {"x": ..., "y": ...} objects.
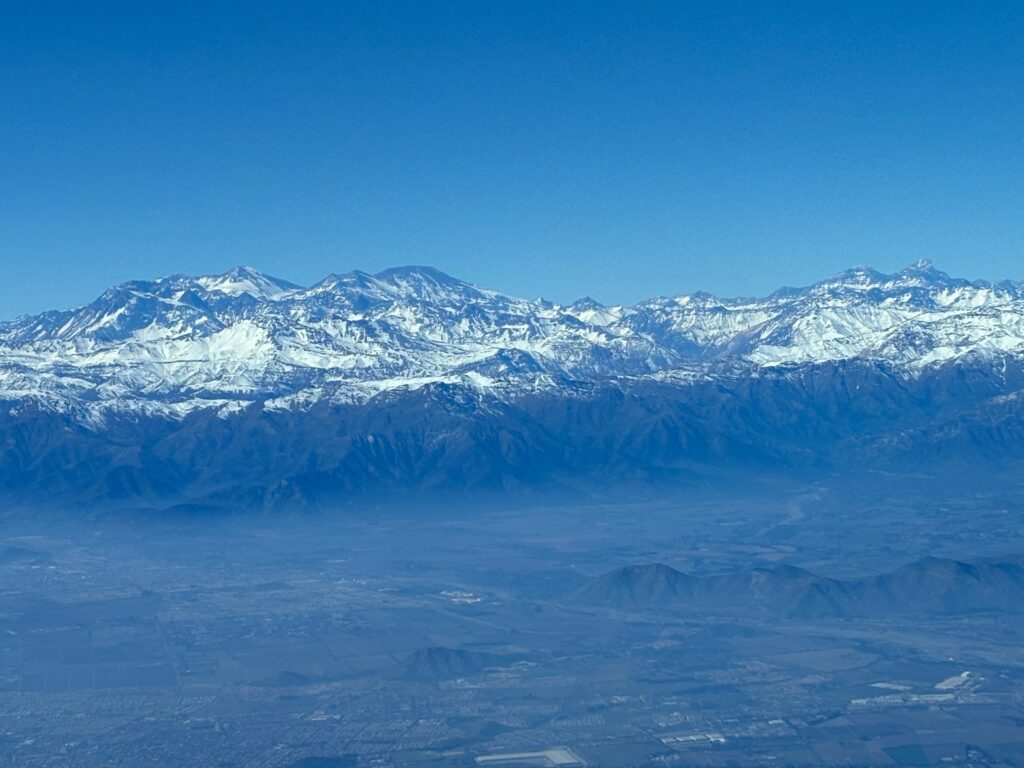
[{"x": 643, "y": 386}]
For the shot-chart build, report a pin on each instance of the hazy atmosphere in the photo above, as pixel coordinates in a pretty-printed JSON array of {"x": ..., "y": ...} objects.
[{"x": 429, "y": 385}]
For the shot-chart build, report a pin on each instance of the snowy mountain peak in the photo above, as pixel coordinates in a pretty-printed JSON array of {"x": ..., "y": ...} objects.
[
  {"x": 924, "y": 272},
  {"x": 425, "y": 283},
  {"x": 247, "y": 280},
  {"x": 922, "y": 265},
  {"x": 585, "y": 304},
  {"x": 411, "y": 283},
  {"x": 861, "y": 276},
  {"x": 415, "y": 274},
  {"x": 920, "y": 274}
]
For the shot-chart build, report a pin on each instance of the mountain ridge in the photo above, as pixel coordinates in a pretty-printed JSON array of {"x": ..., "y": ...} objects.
[
  {"x": 181, "y": 343},
  {"x": 928, "y": 585},
  {"x": 245, "y": 390}
]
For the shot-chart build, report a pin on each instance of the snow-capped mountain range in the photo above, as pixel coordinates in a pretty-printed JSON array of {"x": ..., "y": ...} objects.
[
  {"x": 179, "y": 344},
  {"x": 243, "y": 391}
]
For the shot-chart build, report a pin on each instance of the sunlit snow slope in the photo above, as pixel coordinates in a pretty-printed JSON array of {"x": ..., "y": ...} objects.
[{"x": 178, "y": 344}]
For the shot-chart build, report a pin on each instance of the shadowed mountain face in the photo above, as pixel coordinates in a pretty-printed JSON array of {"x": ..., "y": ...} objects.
[
  {"x": 439, "y": 663},
  {"x": 243, "y": 391},
  {"x": 931, "y": 585},
  {"x": 446, "y": 439},
  {"x": 655, "y": 584}
]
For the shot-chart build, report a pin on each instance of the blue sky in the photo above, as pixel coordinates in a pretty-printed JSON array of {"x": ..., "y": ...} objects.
[{"x": 619, "y": 150}]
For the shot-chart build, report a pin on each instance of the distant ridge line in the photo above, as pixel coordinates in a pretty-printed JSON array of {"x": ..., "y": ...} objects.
[{"x": 928, "y": 585}]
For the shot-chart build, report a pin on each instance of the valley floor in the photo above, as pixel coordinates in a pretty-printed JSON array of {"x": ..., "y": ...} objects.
[{"x": 448, "y": 640}]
